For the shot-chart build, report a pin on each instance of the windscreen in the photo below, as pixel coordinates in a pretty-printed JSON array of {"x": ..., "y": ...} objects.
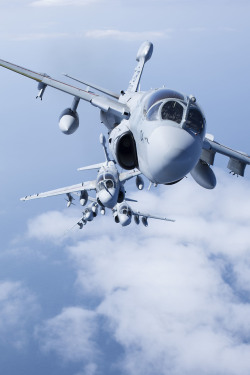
[
  {"x": 160, "y": 95},
  {"x": 195, "y": 120},
  {"x": 173, "y": 111}
]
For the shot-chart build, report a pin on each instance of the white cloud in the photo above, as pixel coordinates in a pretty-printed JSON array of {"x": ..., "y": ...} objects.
[
  {"x": 70, "y": 335},
  {"x": 89, "y": 369},
  {"x": 59, "y": 3},
  {"x": 18, "y": 308},
  {"x": 174, "y": 296},
  {"x": 52, "y": 225},
  {"x": 37, "y": 36},
  {"x": 91, "y": 34},
  {"x": 127, "y": 35}
]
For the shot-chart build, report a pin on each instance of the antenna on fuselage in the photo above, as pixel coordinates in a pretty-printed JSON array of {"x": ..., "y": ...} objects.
[
  {"x": 99, "y": 165},
  {"x": 103, "y": 143}
]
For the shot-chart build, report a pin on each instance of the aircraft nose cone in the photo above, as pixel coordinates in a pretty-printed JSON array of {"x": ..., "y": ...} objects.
[
  {"x": 172, "y": 153},
  {"x": 108, "y": 198},
  {"x": 125, "y": 220}
]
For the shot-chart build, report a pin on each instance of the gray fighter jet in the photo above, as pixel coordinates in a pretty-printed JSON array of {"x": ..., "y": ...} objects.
[
  {"x": 110, "y": 193},
  {"x": 161, "y": 132},
  {"x": 122, "y": 214},
  {"x": 108, "y": 185}
]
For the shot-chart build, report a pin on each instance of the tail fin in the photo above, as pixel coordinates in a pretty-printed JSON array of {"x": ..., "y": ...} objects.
[
  {"x": 143, "y": 55},
  {"x": 99, "y": 165},
  {"x": 103, "y": 143}
]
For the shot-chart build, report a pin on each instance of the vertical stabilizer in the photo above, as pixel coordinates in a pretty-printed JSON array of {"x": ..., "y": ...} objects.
[
  {"x": 143, "y": 55},
  {"x": 103, "y": 143}
]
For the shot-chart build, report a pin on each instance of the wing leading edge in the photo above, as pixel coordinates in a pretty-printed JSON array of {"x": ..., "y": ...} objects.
[
  {"x": 237, "y": 160},
  {"x": 148, "y": 216},
  {"x": 89, "y": 185},
  {"x": 104, "y": 103}
]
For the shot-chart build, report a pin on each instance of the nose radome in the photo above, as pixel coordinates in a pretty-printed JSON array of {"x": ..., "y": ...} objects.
[
  {"x": 125, "y": 220},
  {"x": 172, "y": 153}
]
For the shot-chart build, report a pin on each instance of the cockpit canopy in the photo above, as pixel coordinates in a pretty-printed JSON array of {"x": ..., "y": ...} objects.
[
  {"x": 125, "y": 210},
  {"x": 106, "y": 180},
  {"x": 163, "y": 94},
  {"x": 172, "y": 110},
  {"x": 171, "y": 105}
]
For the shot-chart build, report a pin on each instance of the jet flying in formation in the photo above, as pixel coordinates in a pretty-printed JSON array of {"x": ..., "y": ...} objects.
[
  {"x": 110, "y": 193},
  {"x": 122, "y": 214},
  {"x": 159, "y": 132}
]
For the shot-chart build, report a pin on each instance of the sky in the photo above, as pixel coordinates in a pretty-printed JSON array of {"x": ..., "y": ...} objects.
[{"x": 169, "y": 299}]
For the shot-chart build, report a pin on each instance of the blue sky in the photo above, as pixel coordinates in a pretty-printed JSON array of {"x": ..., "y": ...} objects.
[{"x": 168, "y": 299}]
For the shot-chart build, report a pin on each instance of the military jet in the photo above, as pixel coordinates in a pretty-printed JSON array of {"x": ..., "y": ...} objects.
[
  {"x": 161, "y": 132},
  {"x": 122, "y": 214},
  {"x": 110, "y": 193},
  {"x": 108, "y": 185}
]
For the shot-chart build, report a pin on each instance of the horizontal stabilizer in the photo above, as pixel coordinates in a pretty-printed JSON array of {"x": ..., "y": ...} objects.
[
  {"x": 93, "y": 166},
  {"x": 152, "y": 216},
  {"x": 124, "y": 176}
]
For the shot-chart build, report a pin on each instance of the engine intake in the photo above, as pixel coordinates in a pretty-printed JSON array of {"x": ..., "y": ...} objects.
[{"x": 126, "y": 151}]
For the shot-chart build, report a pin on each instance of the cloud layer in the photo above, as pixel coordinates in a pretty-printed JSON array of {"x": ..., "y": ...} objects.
[
  {"x": 69, "y": 334},
  {"x": 126, "y": 35},
  {"x": 18, "y": 308},
  {"x": 175, "y": 297}
]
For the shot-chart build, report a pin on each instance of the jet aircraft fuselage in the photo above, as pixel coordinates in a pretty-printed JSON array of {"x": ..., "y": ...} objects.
[
  {"x": 108, "y": 187},
  {"x": 163, "y": 137}
]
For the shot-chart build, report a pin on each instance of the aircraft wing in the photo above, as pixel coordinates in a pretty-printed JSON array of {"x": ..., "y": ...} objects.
[
  {"x": 124, "y": 176},
  {"x": 148, "y": 216},
  {"x": 80, "y": 224},
  {"x": 101, "y": 102},
  {"x": 237, "y": 160},
  {"x": 89, "y": 185}
]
